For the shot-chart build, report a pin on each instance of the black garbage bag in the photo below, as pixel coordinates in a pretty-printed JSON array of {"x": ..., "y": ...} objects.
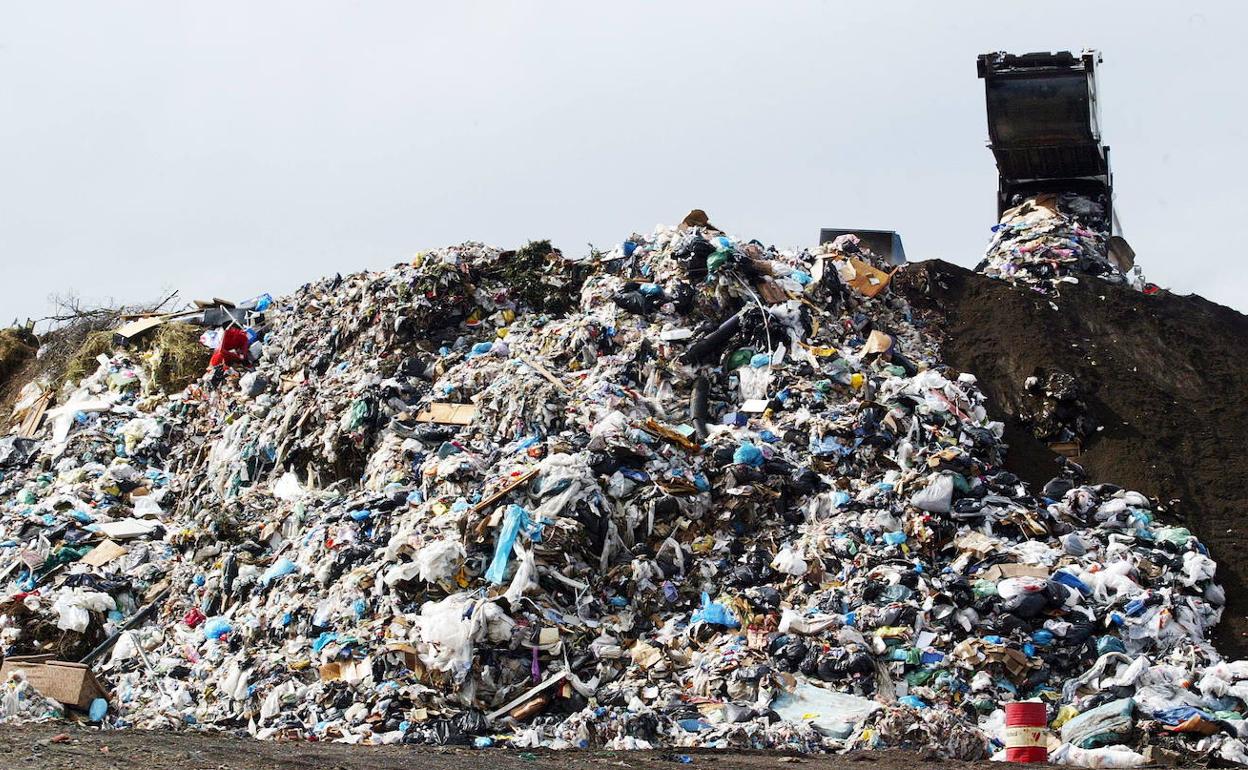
[
  {"x": 693, "y": 256},
  {"x": 711, "y": 344},
  {"x": 16, "y": 452}
]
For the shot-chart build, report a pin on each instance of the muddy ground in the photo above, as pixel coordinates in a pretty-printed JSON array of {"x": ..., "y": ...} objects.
[{"x": 60, "y": 747}]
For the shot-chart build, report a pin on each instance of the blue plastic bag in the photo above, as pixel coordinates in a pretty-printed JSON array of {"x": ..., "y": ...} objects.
[
  {"x": 748, "y": 454},
  {"x": 217, "y": 627},
  {"x": 515, "y": 520},
  {"x": 1070, "y": 580},
  {"x": 714, "y": 612},
  {"x": 277, "y": 570}
]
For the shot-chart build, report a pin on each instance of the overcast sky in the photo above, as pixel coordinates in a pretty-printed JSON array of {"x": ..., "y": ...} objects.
[{"x": 231, "y": 148}]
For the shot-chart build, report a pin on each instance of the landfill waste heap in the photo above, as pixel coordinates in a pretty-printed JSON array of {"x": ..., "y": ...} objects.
[{"x": 693, "y": 491}]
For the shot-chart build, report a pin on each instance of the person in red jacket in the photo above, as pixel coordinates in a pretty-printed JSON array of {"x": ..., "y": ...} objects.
[{"x": 232, "y": 351}]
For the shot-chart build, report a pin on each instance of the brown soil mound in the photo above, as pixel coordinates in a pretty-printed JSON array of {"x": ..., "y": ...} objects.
[{"x": 1164, "y": 376}]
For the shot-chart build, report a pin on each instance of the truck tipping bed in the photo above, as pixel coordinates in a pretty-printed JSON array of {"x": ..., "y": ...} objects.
[{"x": 1044, "y": 126}]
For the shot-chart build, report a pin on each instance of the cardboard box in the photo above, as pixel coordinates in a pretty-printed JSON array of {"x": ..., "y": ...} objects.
[{"x": 73, "y": 684}]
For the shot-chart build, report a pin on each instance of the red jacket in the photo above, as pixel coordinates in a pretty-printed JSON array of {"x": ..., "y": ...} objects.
[{"x": 232, "y": 350}]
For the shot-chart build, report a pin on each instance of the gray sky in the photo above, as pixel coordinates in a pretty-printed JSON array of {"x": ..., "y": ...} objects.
[{"x": 231, "y": 148}]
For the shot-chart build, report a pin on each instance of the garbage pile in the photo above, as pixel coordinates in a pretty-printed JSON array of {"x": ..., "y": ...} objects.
[
  {"x": 1050, "y": 238},
  {"x": 693, "y": 491},
  {"x": 1056, "y": 409}
]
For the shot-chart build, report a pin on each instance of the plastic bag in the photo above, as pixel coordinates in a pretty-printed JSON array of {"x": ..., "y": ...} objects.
[
  {"x": 829, "y": 712},
  {"x": 790, "y": 562},
  {"x": 515, "y": 520},
  {"x": 753, "y": 382},
  {"x": 1108, "y": 756},
  {"x": 277, "y": 570},
  {"x": 215, "y": 628},
  {"x": 439, "y": 560},
  {"x": 936, "y": 497},
  {"x": 1102, "y": 726},
  {"x": 74, "y": 608},
  {"x": 525, "y": 577},
  {"x": 715, "y": 613},
  {"x": 748, "y": 454},
  {"x": 447, "y": 629},
  {"x": 288, "y": 487}
]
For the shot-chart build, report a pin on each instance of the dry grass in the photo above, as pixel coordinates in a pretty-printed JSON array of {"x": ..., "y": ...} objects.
[
  {"x": 171, "y": 353},
  {"x": 178, "y": 358},
  {"x": 81, "y": 363},
  {"x": 16, "y": 347}
]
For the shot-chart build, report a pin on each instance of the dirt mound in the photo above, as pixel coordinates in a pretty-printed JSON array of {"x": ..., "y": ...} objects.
[{"x": 1162, "y": 382}]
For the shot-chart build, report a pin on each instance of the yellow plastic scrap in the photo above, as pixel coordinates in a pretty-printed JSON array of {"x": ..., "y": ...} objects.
[
  {"x": 704, "y": 544},
  {"x": 821, "y": 351},
  {"x": 1064, "y": 715},
  {"x": 892, "y": 632}
]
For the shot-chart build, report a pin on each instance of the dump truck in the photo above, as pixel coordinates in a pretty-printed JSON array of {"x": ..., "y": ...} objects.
[{"x": 1044, "y": 130}]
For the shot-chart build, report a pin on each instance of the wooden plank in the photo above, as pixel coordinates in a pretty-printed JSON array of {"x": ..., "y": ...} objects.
[
  {"x": 545, "y": 373},
  {"x": 34, "y": 416},
  {"x": 533, "y": 693},
  {"x": 487, "y": 502},
  {"x": 1071, "y": 449}
]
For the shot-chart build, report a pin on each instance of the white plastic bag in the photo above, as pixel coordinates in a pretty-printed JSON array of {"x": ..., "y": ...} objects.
[
  {"x": 439, "y": 560},
  {"x": 74, "y": 608},
  {"x": 790, "y": 562},
  {"x": 936, "y": 497}
]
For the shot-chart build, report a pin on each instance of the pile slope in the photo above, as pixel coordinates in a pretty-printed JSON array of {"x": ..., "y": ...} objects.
[{"x": 1164, "y": 378}]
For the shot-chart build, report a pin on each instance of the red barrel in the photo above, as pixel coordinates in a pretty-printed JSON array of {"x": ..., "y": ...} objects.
[{"x": 1025, "y": 739}]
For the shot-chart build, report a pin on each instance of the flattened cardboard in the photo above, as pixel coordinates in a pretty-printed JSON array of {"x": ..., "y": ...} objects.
[
  {"x": 448, "y": 414},
  {"x": 135, "y": 328},
  {"x": 103, "y": 553},
  {"x": 867, "y": 280},
  {"x": 123, "y": 529},
  {"x": 1003, "y": 571},
  {"x": 877, "y": 342}
]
